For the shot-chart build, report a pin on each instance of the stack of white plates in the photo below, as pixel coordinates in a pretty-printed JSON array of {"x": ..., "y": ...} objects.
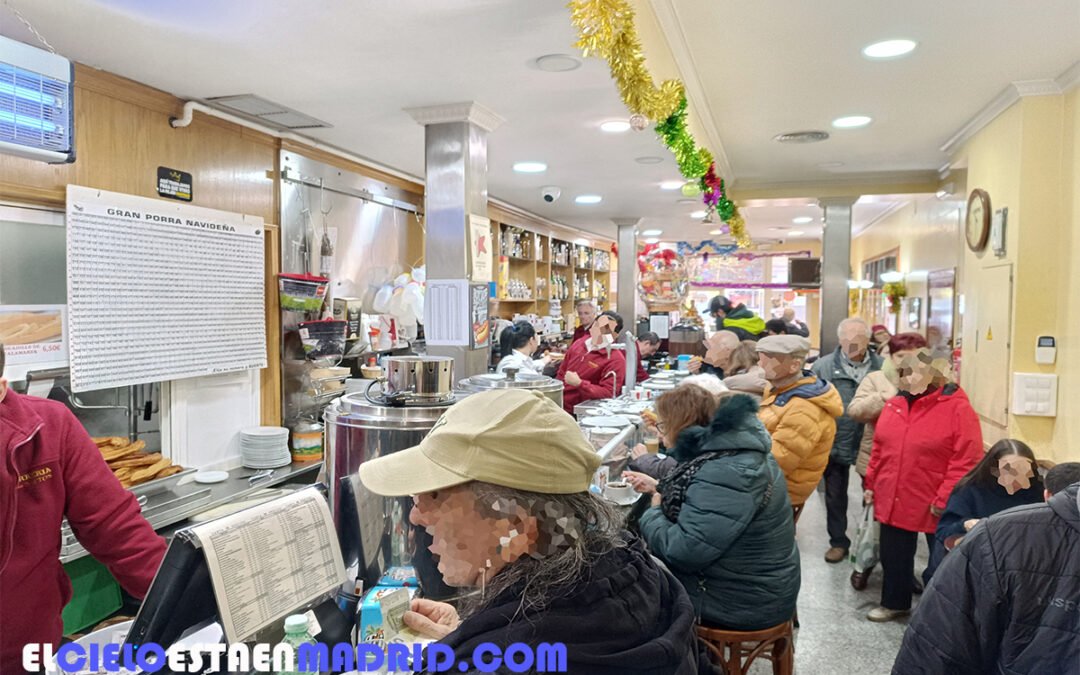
[{"x": 264, "y": 447}]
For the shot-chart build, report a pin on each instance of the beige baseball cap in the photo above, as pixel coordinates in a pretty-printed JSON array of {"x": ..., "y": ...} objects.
[
  {"x": 791, "y": 345},
  {"x": 515, "y": 438}
]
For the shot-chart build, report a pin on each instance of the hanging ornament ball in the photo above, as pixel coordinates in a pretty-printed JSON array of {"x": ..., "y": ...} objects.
[
  {"x": 638, "y": 122},
  {"x": 691, "y": 189}
]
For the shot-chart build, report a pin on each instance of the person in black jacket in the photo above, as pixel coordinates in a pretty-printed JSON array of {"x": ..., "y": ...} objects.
[
  {"x": 1007, "y": 476},
  {"x": 1006, "y": 600}
]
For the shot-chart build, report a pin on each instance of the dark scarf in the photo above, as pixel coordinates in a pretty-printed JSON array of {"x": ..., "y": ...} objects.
[{"x": 674, "y": 485}]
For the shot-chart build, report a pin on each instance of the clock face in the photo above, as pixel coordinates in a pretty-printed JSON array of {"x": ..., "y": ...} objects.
[{"x": 978, "y": 220}]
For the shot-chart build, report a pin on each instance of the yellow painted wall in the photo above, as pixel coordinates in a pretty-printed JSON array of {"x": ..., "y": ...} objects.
[
  {"x": 1027, "y": 160},
  {"x": 927, "y": 233}
]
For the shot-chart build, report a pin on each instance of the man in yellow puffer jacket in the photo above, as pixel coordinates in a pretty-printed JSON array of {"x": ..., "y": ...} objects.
[{"x": 799, "y": 410}]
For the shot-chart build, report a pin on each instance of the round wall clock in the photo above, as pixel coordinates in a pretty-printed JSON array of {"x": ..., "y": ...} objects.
[{"x": 978, "y": 220}]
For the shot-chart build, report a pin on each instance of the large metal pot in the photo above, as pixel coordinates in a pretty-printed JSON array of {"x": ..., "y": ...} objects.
[
  {"x": 548, "y": 386},
  {"x": 416, "y": 378},
  {"x": 686, "y": 339},
  {"x": 374, "y": 531}
]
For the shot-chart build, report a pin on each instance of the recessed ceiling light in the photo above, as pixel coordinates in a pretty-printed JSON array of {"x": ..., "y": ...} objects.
[
  {"x": 779, "y": 229},
  {"x": 690, "y": 202},
  {"x": 530, "y": 167},
  {"x": 830, "y": 165},
  {"x": 649, "y": 159},
  {"x": 557, "y": 63},
  {"x": 652, "y": 233},
  {"x": 796, "y": 233},
  {"x": 615, "y": 126},
  {"x": 889, "y": 49},
  {"x": 653, "y": 240},
  {"x": 802, "y": 220},
  {"x": 588, "y": 199},
  {"x": 698, "y": 214},
  {"x": 582, "y": 242},
  {"x": 715, "y": 232},
  {"x": 851, "y": 121},
  {"x": 672, "y": 184},
  {"x": 802, "y": 137}
]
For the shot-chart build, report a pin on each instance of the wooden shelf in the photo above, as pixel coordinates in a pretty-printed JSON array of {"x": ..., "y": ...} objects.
[
  {"x": 516, "y": 259},
  {"x": 515, "y": 299},
  {"x": 560, "y": 265}
]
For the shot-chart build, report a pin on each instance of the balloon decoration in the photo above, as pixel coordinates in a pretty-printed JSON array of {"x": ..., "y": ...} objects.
[
  {"x": 664, "y": 279},
  {"x": 606, "y": 29}
]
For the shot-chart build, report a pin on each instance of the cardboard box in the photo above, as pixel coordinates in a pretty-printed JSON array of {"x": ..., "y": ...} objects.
[
  {"x": 371, "y": 619},
  {"x": 349, "y": 309}
]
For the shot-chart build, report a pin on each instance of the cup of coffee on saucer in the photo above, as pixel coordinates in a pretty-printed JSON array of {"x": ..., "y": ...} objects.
[{"x": 620, "y": 492}]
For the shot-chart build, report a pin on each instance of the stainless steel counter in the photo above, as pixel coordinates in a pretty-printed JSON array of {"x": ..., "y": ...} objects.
[{"x": 175, "y": 506}]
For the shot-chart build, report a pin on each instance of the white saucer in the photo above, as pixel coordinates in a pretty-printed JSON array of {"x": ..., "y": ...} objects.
[
  {"x": 629, "y": 501},
  {"x": 207, "y": 477},
  {"x": 605, "y": 421}
]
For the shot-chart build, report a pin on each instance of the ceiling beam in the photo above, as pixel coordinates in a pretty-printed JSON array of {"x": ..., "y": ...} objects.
[{"x": 893, "y": 183}]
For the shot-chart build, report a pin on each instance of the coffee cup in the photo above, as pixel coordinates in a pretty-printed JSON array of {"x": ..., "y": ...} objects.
[{"x": 618, "y": 490}]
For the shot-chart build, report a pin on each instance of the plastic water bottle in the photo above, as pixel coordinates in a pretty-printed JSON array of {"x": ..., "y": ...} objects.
[{"x": 296, "y": 634}]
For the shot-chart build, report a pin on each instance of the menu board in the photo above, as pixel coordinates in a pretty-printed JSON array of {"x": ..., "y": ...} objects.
[
  {"x": 160, "y": 291},
  {"x": 270, "y": 560}
]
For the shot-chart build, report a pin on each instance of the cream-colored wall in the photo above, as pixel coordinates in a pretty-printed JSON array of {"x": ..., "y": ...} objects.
[
  {"x": 1066, "y": 435},
  {"x": 927, "y": 233},
  {"x": 1027, "y": 160}
]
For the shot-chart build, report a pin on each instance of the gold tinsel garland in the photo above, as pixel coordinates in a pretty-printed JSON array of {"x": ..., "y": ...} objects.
[{"x": 607, "y": 30}]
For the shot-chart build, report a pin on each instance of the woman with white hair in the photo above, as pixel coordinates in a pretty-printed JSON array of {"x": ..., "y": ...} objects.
[{"x": 501, "y": 485}]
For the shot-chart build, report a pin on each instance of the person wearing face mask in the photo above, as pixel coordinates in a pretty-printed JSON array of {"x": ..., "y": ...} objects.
[
  {"x": 519, "y": 342},
  {"x": 501, "y": 485},
  {"x": 593, "y": 369},
  {"x": 926, "y": 440},
  {"x": 52, "y": 470},
  {"x": 845, "y": 369},
  {"x": 1005, "y": 477}
]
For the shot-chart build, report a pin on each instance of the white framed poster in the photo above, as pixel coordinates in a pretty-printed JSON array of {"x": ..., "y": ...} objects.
[
  {"x": 160, "y": 291},
  {"x": 480, "y": 248}
]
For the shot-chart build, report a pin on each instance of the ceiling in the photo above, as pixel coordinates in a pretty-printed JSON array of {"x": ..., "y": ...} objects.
[{"x": 755, "y": 69}]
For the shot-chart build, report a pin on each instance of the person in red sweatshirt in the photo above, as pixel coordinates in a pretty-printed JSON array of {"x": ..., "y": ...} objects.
[
  {"x": 592, "y": 369},
  {"x": 648, "y": 343},
  {"x": 51, "y": 469}
]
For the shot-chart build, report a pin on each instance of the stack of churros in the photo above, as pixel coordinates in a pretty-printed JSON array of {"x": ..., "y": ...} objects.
[
  {"x": 24, "y": 328},
  {"x": 130, "y": 464}
]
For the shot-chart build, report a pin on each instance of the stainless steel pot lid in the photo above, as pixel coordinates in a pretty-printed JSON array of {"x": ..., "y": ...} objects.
[{"x": 502, "y": 381}]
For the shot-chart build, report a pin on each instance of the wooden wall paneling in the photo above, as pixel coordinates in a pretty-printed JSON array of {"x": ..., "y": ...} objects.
[{"x": 270, "y": 377}]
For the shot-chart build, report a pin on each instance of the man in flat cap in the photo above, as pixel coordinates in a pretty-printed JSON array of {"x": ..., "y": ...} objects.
[{"x": 799, "y": 410}]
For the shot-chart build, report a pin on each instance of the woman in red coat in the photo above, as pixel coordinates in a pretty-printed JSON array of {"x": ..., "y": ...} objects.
[{"x": 926, "y": 440}]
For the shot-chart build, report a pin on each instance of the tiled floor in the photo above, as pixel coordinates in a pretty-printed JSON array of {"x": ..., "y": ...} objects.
[{"x": 835, "y": 636}]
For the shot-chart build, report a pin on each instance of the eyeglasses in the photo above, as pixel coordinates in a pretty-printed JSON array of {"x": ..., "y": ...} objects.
[{"x": 660, "y": 425}]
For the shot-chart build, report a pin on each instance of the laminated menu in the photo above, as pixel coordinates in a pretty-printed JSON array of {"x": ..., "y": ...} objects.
[{"x": 268, "y": 561}]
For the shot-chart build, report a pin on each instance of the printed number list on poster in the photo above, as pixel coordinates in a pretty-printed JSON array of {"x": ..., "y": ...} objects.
[
  {"x": 160, "y": 291},
  {"x": 270, "y": 560}
]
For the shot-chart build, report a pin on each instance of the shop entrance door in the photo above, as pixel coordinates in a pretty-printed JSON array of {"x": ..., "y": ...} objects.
[{"x": 989, "y": 362}]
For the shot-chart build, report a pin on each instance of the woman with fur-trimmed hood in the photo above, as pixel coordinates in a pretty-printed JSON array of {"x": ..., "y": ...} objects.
[{"x": 722, "y": 521}]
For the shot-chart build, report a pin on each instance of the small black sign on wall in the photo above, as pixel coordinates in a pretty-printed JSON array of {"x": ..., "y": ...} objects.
[{"x": 174, "y": 184}]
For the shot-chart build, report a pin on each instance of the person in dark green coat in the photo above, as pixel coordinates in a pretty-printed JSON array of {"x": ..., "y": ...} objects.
[{"x": 723, "y": 523}]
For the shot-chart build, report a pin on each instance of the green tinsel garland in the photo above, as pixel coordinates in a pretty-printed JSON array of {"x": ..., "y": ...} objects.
[{"x": 693, "y": 161}]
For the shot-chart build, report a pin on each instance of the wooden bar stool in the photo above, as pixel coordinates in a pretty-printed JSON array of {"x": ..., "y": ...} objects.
[{"x": 734, "y": 651}]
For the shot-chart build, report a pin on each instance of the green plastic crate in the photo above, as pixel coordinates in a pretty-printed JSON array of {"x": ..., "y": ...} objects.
[{"x": 95, "y": 595}]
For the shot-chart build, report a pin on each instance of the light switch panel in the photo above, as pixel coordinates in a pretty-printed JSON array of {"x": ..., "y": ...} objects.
[{"x": 1034, "y": 394}]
